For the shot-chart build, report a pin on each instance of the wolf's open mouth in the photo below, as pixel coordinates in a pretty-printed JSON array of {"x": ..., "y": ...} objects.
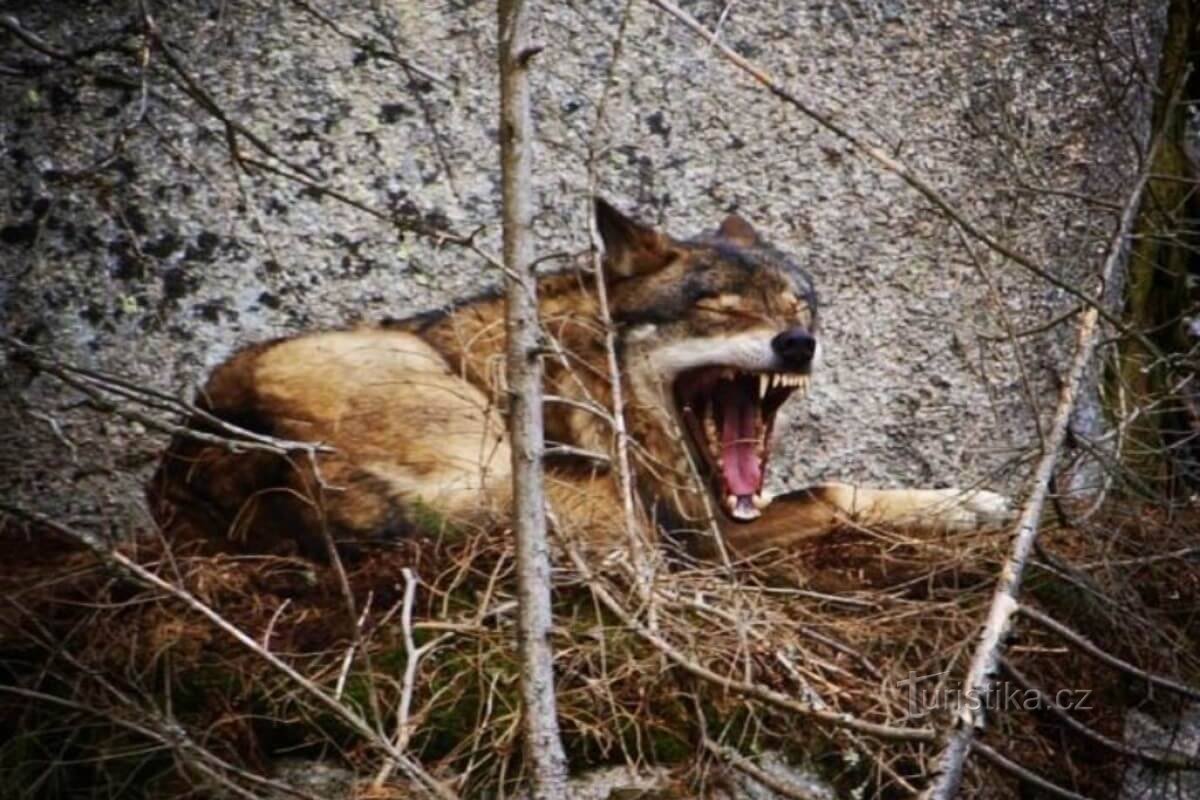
[{"x": 729, "y": 413}]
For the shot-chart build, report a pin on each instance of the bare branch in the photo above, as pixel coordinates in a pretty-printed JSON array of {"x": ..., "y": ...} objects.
[
  {"x": 1006, "y": 764},
  {"x": 1080, "y": 641},
  {"x": 757, "y": 773},
  {"x": 372, "y": 45},
  {"x": 542, "y": 745},
  {"x": 1165, "y": 760},
  {"x": 1004, "y": 599}
]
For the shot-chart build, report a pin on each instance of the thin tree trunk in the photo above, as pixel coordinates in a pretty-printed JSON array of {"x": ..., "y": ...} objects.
[
  {"x": 543, "y": 748},
  {"x": 970, "y": 717}
]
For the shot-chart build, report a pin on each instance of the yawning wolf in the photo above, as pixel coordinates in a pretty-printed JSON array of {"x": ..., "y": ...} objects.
[{"x": 713, "y": 335}]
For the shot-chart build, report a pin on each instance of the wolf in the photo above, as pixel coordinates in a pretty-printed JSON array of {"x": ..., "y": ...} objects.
[{"x": 712, "y": 335}]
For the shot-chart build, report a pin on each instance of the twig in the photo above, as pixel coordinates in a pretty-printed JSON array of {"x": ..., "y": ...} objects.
[
  {"x": 1173, "y": 555},
  {"x": 641, "y": 549},
  {"x": 353, "y": 618},
  {"x": 92, "y": 383},
  {"x": 354, "y": 646},
  {"x": 33, "y": 41},
  {"x": 270, "y": 629},
  {"x": 758, "y": 774},
  {"x": 172, "y": 737},
  {"x": 1035, "y": 411},
  {"x": 412, "y": 659},
  {"x": 411, "y": 223},
  {"x": 155, "y": 724},
  {"x": 1033, "y": 779},
  {"x": 1167, "y": 760},
  {"x": 845, "y": 649},
  {"x": 553, "y": 450},
  {"x": 1080, "y": 641},
  {"x": 1040, "y": 328},
  {"x": 203, "y": 98},
  {"x": 122, "y": 564},
  {"x": 752, "y": 690},
  {"x": 716, "y": 32},
  {"x": 373, "y": 46}
]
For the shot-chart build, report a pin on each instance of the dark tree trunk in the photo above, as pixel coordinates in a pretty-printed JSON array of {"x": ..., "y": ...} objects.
[{"x": 1147, "y": 393}]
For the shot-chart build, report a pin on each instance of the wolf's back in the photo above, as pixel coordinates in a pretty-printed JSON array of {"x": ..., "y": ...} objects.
[{"x": 400, "y": 425}]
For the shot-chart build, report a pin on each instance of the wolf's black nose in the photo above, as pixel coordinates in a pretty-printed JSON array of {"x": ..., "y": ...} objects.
[{"x": 796, "y": 347}]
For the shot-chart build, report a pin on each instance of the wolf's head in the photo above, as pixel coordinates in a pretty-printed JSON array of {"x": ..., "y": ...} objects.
[{"x": 716, "y": 332}]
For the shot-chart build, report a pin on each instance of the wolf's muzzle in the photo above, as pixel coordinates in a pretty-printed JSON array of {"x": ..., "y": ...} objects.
[{"x": 796, "y": 347}]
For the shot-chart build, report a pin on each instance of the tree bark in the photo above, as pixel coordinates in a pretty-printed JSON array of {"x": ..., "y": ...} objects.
[
  {"x": 1157, "y": 296},
  {"x": 543, "y": 748}
]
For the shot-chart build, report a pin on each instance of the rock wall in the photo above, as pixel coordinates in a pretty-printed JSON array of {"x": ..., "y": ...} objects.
[{"x": 133, "y": 241}]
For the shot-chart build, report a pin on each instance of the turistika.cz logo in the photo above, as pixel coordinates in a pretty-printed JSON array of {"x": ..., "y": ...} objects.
[{"x": 928, "y": 693}]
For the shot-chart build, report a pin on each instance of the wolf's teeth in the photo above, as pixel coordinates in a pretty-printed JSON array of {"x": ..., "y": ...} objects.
[
  {"x": 764, "y": 383},
  {"x": 762, "y": 500},
  {"x": 744, "y": 509}
]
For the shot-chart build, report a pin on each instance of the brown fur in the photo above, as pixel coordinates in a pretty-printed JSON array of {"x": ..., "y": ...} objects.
[{"x": 414, "y": 410}]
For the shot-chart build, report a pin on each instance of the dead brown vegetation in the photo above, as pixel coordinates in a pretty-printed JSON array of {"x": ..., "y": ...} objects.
[{"x": 92, "y": 660}]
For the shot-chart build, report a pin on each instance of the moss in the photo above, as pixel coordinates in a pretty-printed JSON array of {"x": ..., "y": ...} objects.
[
  {"x": 427, "y": 521},
  {"x": 670, "y": 746},
  {"x": 193, "y": 689},
  {"x": 464, "y": 683},
  {"x": 68, "y": 754}
]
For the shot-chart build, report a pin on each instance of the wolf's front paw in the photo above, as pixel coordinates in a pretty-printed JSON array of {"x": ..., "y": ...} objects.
[
  {"x": 967, "y": 510},
  {"x": 991, "y": 510}
]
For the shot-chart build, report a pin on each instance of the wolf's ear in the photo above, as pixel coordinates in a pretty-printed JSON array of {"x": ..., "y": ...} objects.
[
  {"x": 737, "y": 231},
  {"x": 630, "y": 248}
]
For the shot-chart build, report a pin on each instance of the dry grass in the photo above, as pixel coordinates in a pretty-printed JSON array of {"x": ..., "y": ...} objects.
[{"x": 842, "y": 625}]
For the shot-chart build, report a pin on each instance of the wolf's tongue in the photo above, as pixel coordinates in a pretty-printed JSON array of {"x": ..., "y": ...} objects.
[{"x": 739, "y": 415}]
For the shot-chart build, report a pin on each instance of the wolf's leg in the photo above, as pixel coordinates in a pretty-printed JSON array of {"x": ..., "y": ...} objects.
[
  {"x": 811, "y": 512},
  {"x": 923, "y": 509}
]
